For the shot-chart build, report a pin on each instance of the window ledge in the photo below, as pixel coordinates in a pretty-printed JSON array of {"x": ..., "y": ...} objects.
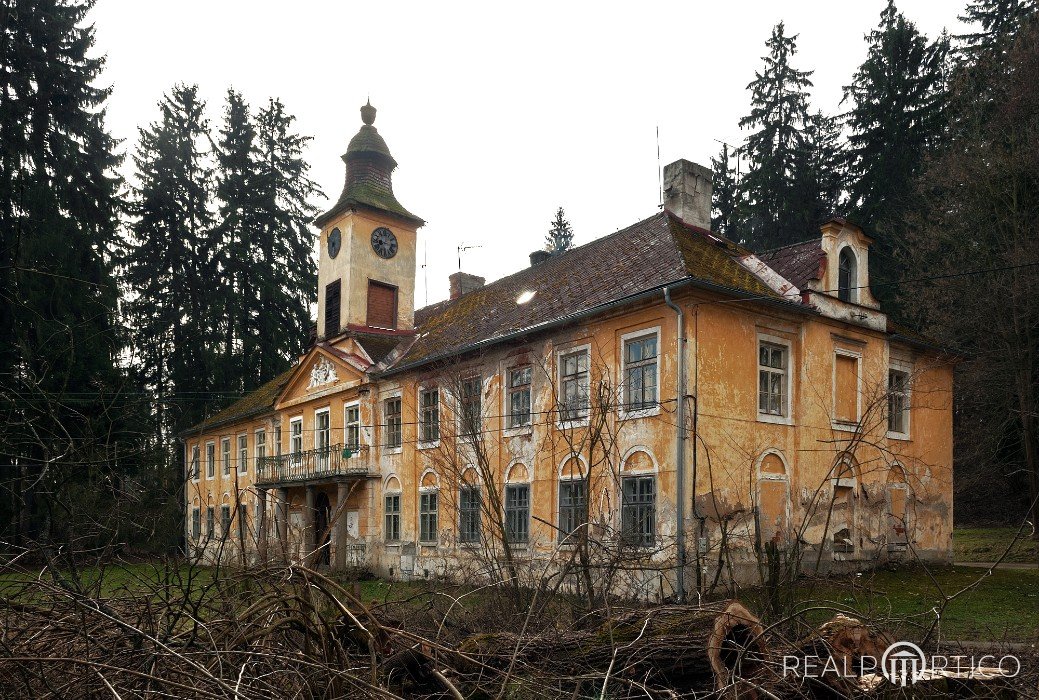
[
  {"x": 425, "y": 445},
  {"x": 639, "y": 413},
  {"x": 518, "y": 430},
  {"x": 905, "y": 437},
  {"x": 392, "y": 545},
  {"x": 571, "y": 424},
  {"x": 428, "y": 545},
  {"x": 777, "y": 420},
  {"x": 392, "y": 450},
  {"x": 845, "y": 426}
]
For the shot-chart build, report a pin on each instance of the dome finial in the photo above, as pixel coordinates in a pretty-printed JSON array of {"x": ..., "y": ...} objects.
[{"x": 368, "y": 113}]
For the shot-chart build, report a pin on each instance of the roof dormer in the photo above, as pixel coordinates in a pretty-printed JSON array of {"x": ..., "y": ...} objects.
[{"x": 846, "y": 274}]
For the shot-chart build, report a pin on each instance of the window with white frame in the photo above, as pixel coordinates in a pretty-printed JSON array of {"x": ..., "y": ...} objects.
[
  {"x": 296, "y": 436},
  {"x": 392, "y": 422},
  {"x": 243, "y": 520},
  {"x": 196, "y": 523},
  {"x": 243, "y": 454},
  {"x": 427, "y": 516},
  {"x": 225, "y": 520},
  {"x": 638, "y": 510},
  {"x": 640, "y": 373},
  {"x": 352, "y": 427},
  {"x": 322, "y": 436},
  {"x": 847, "y": 275},
  {"x": 846, "y": 388},
  {"x": 210, "y": 522},
  {"x": 210, "y": 460},
  {"x": 573, "y": 506},
  {"x": 469, "y": 502},
  {"x": 429, "y": 415},
  {"x": 261, "y": 445},
  {"x": 391, "y": 529},
  {"x": 573, "y": 385},
  {"x": 470, "y": 406},
  {"x": 519, "y": 396},
  {"x": 225, "y": 455},
  {"x": 898, "y": 401},
  {"x": 193, "y": 468},
  {"x": 773, "y": 384},
  {"x": 517, "y": 513}
]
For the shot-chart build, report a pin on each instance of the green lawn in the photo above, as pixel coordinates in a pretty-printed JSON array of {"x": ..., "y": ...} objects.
[
  {"x": 988, "y": 543},
  {"x": 1003, "y": 606}
]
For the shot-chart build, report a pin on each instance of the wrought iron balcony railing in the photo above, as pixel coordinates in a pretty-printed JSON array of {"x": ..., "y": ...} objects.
[{"x": 312, "y": 465}]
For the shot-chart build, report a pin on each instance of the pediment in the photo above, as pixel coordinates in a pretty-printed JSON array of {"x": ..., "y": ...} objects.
[{"x": 324, "y": 370}]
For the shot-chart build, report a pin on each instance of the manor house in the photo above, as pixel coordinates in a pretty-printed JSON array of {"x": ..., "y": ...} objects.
[{"x": 655, "y": 405}]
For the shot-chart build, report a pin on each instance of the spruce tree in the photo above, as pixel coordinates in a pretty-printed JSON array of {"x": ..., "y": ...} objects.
[
  {"x": 560, "y": 237},
  {"x": 897, "y": 117},
  {"x": 773, "y": 202},
  {"x": 725, "y": 197},
  {"x": 819, "y": 174},
  {"x": 59, "y": 340},
  {"x": 282, "y": 267},
  {"x": 170, "y": 270},
  {"x": 995, "y": 24}
]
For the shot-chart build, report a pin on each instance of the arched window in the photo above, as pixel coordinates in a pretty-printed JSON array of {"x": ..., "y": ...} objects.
[{"x": 847, "y": 275}]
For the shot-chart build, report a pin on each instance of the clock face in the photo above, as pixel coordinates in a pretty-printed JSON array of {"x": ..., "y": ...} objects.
[
  {"x": 384, "y": 243},
  {"x": 335, "y": 240}
]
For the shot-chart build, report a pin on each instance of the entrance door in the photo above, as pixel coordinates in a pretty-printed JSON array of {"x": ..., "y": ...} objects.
[{"x": 322, "y": 536}]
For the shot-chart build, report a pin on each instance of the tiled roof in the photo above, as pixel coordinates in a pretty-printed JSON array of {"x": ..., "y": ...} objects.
[
  {"x": 654, "y": 252},
  {"x": 253, "y": 404},
  {"x": 799, "y": 263}
]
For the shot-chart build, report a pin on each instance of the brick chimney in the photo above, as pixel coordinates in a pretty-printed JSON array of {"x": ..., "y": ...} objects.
[
  {"x": 687, "y": 192},
  {"x": 463, "y": 283}
]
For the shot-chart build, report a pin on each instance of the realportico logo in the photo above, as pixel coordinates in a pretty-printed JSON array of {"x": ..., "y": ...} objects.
[{"x": 903, "y": 664}]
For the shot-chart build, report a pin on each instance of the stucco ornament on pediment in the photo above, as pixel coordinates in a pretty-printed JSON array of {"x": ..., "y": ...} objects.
[{"x": 323, "y": 372}]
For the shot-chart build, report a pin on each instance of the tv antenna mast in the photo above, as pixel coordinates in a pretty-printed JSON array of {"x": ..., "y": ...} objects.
[{"x": 462, "y": 247}]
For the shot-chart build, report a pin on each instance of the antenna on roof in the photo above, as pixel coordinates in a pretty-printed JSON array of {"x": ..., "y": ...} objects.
[
  {"x": 462, "y": 247},
  {"x": 736, "y": 155},
  {"x": 425, "y": 269},
  {"x": 660, "y": 175}
]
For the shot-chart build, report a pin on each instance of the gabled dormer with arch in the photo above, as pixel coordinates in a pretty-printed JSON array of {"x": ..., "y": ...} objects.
[{"x": 842, "y": 289}]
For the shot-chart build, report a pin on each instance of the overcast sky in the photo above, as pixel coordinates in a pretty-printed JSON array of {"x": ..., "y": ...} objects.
[{"x": 497, "y": 114}]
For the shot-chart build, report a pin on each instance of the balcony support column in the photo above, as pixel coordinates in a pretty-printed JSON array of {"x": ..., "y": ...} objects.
[
  {"x": 309, "y": 532},
  {"x": 283, "y": 522},
  {"x": 261, "y": 526},
  {"x": 342, "y": 493}
]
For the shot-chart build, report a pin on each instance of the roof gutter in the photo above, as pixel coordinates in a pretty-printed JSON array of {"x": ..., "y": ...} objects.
[{"x": 650, "y": 293}]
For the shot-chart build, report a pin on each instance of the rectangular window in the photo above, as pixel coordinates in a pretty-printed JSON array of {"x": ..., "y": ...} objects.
[
  {"x": 470, "y": 406},
  {"x": 196, "y": 523},
  {"x": 429, "y": 415},
  {"x": 225, "y": 455},
  {"x": 296, "y": 436},
  {"x": 519, "y": 397},
  {"x": 573, "y": 386},
  {"x": 391, "y": 416},
  {"x": 640, "y": 373},
  {"x": 772, "y": 379},
  {"x": 193, "y": 467},
  {"x": 322, "y": 437},
  {"x": 846, "y": 391},
  {"x": 392, "y": 517},
  {"x": 225, "y": 520},
  {"x": 261, "y": 444},
  {"x": 469, "y": 514},
  {"x": 517, "y": 513},
  {"x": 427, "y": 517},
  {"x": 243, "y": 454},
  {"x": 210, "y": 522},
  {"x": 897, "y": 401},
  {"x": 638, "y": 511},
  {"x": 573, "y": 512},
  {"x": 243, "y": 522},
  {"x": 352, "y": 421},
  {"x": 332, "y": 309},
  {"x": 210, "y": 460},
  {"x": 382, "y": 305}
]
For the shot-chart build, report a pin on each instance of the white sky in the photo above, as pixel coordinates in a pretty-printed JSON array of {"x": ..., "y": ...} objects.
[{"x": 497, "y": 114}]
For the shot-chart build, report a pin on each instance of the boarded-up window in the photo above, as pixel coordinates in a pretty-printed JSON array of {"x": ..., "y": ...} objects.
[
  {"x": 332, "y": 309},
  {"x": 898, "y": 492},
  {"x": 382, "y": 305},
  {"x": 773, "y": 501},
  {"x": 846, "y": 391}
]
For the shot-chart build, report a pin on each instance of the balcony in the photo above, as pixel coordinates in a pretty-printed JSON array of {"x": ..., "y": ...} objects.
[{"x": 326, "y": 464}]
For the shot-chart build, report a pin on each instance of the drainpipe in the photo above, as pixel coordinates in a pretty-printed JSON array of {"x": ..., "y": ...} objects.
[{"x": 680, "y": 444}]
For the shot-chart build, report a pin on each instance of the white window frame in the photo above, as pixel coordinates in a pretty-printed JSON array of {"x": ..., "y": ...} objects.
[
  {"x": 242, "y": 453},
  {"x": 194, "y": 463},
  {"x": 225, "y": 455},
  {"x": 839, "y": 424},
  {"x": 458, "y": 405},
  {"x": 295, "y": 454},
  {"x": 622, "y": 409},
  {"x": 525, "y": 428},
  {"x": 356, "y": 405},
  {"x": 425, "y": 490},
  {"x": 562, "y": 422},
  {"x": 788, "y": 411},
  {"x": 323, "y": 453},
  {"x": 208, "y": 443},
  {"x": 853, "y": 283},
  {"x": 420, "y": 443},
  {"x": 384, "y": 448},
  {"x": 259, "y": 444},
  {"x": 907, "y": 369}
]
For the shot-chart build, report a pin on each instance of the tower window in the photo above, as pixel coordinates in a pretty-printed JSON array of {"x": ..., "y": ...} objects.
[
  {"x": 332, "y": 309},
  {"x": 382, "y": 305},
  {"x": 847, "y": 276}
]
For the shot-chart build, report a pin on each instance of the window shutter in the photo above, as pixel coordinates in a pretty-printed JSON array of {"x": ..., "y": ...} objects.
[
  {"x": 382, "y": 305},
  {"x": 332, "y": 309}
]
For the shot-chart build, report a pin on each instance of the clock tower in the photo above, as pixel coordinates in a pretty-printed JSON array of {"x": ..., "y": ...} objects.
[{"x": 367, "y": 246}]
